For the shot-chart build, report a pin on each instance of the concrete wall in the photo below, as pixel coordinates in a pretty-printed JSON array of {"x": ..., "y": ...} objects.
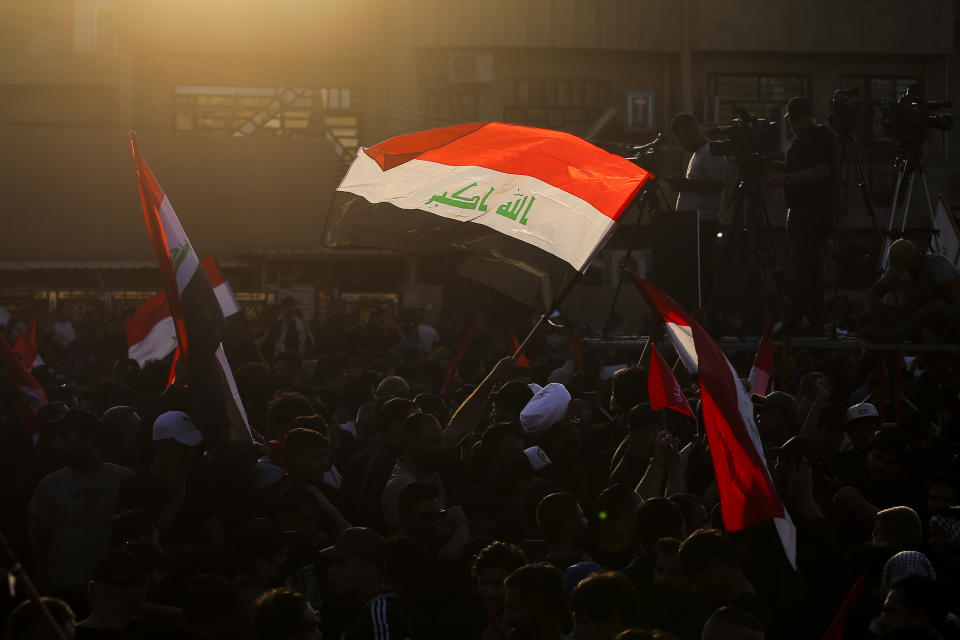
[{"x": 72, "y": 194}]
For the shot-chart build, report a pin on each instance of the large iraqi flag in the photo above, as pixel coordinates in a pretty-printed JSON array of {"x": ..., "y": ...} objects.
[
  {"x": 202, "y": 369},
  {"x": 523, "y": 209},
  {"x": 747, "y": 493}
]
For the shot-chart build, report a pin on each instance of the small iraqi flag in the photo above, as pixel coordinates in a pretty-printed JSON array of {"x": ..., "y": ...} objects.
[
  {"x": 151, "y": 334},
  {"x": 663, "y": 388},
  {"x": 26, "y": 346},
  {"x": 523, "y": 209},
  {"x": 761, "y": 373},
  {"x": 30, "y": 394}
]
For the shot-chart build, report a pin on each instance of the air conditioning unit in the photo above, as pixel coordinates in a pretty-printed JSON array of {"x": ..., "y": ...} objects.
[{"x": 470, "y": 66}]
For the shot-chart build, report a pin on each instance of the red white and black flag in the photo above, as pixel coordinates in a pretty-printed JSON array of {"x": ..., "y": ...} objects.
[
  {"x": 761, "y": 373},
  {"x": 524, "y": 209},
  {"x": 747, "y": 493},
  {"x": 197, "y": 318},
  {"x": 30, "y": 394},
  {"x": 151, "y": 334}
]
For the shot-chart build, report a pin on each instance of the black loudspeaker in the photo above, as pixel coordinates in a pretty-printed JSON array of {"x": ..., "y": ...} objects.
[{"x": 674, "y": 267}]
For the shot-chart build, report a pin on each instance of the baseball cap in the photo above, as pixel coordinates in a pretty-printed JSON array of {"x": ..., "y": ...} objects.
[
  {"x": 782, "y": 402},
  {"x": 537, "y": 457},
  {"x": 862, "y": 410},
  {"x": 176, "y": 425},
  {"x": 798, "y": 107},
  {"x": 356, "y": 541},
  {"x": 902, "y": 253}
]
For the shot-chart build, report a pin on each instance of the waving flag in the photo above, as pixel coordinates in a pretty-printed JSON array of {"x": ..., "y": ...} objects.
[
  {"x": 451, "y": 377},
  {"x": 523, "y": 209},
  {"x": 197, "y": 318},
  {"x": 747, "y": 494},
  {"x": 761, "y": 373},
  {"x": 26, "y": 346},
  {"x": 31, "y": 395},
  {"x": 151, "y": 334},
  {"x": 663, "y": 388}
]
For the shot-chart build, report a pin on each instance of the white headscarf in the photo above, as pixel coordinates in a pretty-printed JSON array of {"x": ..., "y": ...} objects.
[{"x": 545, "y": 409}]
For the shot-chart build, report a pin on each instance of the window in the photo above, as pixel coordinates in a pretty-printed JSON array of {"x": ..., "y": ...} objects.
[
  {"x": 764, "y": 96},
  {"x": 447, "y": 107},
  {"x": 92, "y": 26},
  {"x": 566, "y": 105},
  {"x": 267, "y": 111}
]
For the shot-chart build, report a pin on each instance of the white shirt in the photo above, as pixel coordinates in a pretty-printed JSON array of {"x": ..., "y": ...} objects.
[{"x": 703, "y": 166}]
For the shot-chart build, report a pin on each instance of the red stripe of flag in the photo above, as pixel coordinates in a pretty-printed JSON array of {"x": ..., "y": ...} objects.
[
  {"x": 522, "y": 360},
  {"x": 519, "y": 150},
  {"x": 663, "y": 388}
]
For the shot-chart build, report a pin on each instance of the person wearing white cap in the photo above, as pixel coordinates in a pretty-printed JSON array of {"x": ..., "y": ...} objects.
[
  {"x": 862, "y": 421},
  {"x": 176, "y": 485},
  {"x": 176, "y": 425},
  {"x": 547, "y": 408},
  {"x": 546, "y": 424}
]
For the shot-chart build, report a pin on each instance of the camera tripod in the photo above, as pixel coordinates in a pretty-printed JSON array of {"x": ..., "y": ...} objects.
[
  {"x": 650, "y": 195},
  {"x": 909, "y": 166},
  {"x": 750, "y": 255},
  {"x": 848, "y": 154}
]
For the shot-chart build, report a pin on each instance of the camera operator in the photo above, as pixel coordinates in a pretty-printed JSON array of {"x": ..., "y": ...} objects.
[
  {"x": 701, "y": 189},
  {"x": 807, "y": 181}
]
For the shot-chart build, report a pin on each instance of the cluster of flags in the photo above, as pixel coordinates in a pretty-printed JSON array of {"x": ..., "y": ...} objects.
[
  {"x": 523, "y": 210},
  {"x": 747, "y": 493}
]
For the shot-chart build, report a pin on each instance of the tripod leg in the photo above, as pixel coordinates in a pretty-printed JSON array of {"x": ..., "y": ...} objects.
[
  {"x": 906, "y": 203},
  {"x": 934, "y": 232},
  {"x": 862, "y": 183},
  {"x": 644, "y": 203},
  {"x": 893, "y": 214},
  {"x": 770, "y": 256}
]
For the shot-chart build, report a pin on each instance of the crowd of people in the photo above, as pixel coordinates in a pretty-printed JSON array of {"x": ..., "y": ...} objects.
[{"x": 544, "y": 501}]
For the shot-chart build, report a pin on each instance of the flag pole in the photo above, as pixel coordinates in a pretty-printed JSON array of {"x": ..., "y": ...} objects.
[
  {"x": 530, "y": 336},
  {"x": 14, "y": 567}
]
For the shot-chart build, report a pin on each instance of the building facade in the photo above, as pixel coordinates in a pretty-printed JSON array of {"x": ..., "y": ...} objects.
[{"x": 249, "y": 112}]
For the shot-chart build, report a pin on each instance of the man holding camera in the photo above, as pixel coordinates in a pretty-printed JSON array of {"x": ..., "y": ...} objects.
[
  {"x": 807, "y": 181},
  {"x": 701, "y": 189}
]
